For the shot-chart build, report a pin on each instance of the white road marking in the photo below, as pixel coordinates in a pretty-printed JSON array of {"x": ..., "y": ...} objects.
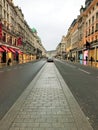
[{"x": 84, "y": 71}]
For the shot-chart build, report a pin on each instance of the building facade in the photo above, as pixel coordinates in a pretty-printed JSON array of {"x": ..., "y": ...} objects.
[
  {"x": 91, "y": 29},
  {"x": 82, "y": 35},
  {"x": 61, "y": 48},
  {"x": 17, "y": 40}
]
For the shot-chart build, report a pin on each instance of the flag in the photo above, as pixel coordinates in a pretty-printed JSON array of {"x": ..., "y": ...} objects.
[{"x": 19, "y": 41}]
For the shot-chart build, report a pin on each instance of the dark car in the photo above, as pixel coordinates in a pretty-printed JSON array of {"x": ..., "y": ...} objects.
[{"x": 50, "y": 59}]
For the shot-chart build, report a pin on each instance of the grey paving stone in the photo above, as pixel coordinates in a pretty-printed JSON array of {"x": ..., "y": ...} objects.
[{"x": 45, "y": 106}]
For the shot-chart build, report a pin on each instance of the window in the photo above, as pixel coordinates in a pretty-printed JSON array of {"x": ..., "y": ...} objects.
[
  {"x": 89, "y": 22},
  {"x": 4, "y": 37},
  {"x": 0, "y": 9},
  {"x": 96, "y": 37},
  {"x": 4, "y": 14},
  {"x": 96, "y": 26},
  {"x": 8, "y": 17},
  {"x": 89, "y": 32},
  {"x": 93, "y": 19},
  {"x": 96, "y": 15},
  {"x": 86, "y": 24},
  {"x": 7, "y": 7},
  {"x": 86, "y": 33},
  {"x": 92, "y": 29},
  {"x": 89, "y": 12},
  {"x": 92, "y": 39},
  {"x": 4, "y": 3}
]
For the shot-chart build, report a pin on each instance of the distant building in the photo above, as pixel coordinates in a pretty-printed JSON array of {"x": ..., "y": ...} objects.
[
  {"x": 82, "y": 36},
  {"x": 17, "y": 40},
  {"x": 51, "y": 53}
]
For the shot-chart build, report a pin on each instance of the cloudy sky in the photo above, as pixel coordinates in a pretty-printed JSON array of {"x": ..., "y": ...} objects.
[{"x": 51, "y": 18}]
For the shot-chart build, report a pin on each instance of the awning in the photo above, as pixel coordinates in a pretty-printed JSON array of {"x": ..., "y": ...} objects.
[
  {"x": 5, "y": 48},
  {"x": 12, "y": 50},
  {"x": 1, "y": 50},
  {"x": 19, "y": 51}
]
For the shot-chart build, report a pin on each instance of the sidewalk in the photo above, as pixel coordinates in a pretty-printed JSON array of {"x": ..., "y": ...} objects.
[
  {"x": 87, "y": 63},
  {"x": 46, "y": 104},
  {"x": 4, "y": 65}
]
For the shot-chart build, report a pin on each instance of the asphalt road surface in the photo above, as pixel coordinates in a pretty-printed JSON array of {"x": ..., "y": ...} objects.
[
  {"x": 83, "y": 83},
  {"x": 13, "y": 81}
]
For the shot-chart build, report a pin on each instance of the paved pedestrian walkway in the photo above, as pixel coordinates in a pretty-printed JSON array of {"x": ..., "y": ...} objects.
[{"x": 46, "y": 104}]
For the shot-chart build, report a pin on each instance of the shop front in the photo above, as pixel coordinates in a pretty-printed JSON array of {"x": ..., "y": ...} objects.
[
  {"x": 27, "y": 57},
  {"x": 14, "y": 54},
  {"x": 1, "y": 51},
  {"x": 92, "y": 54},
  {"x": 85, "y": 56}
]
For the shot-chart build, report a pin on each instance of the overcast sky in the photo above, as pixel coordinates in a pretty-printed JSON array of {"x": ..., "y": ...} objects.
[{"x": 51, "y": 18}]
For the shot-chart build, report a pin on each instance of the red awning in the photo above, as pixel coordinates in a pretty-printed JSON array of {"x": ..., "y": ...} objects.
[
  {"x": 19, "y": 51},
  {"x": 1, "y": 50},
  {"x": 12, "y": 50},
  {"x": 5, "y": 48}
]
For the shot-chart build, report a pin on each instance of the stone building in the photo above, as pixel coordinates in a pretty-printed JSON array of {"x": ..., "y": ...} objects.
[
  {"x": 61, "y": 48},
  {"x": 91, "y": 30},
  {"x": 17, "y": 40},
  {"x": 82, "y": 35}
]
